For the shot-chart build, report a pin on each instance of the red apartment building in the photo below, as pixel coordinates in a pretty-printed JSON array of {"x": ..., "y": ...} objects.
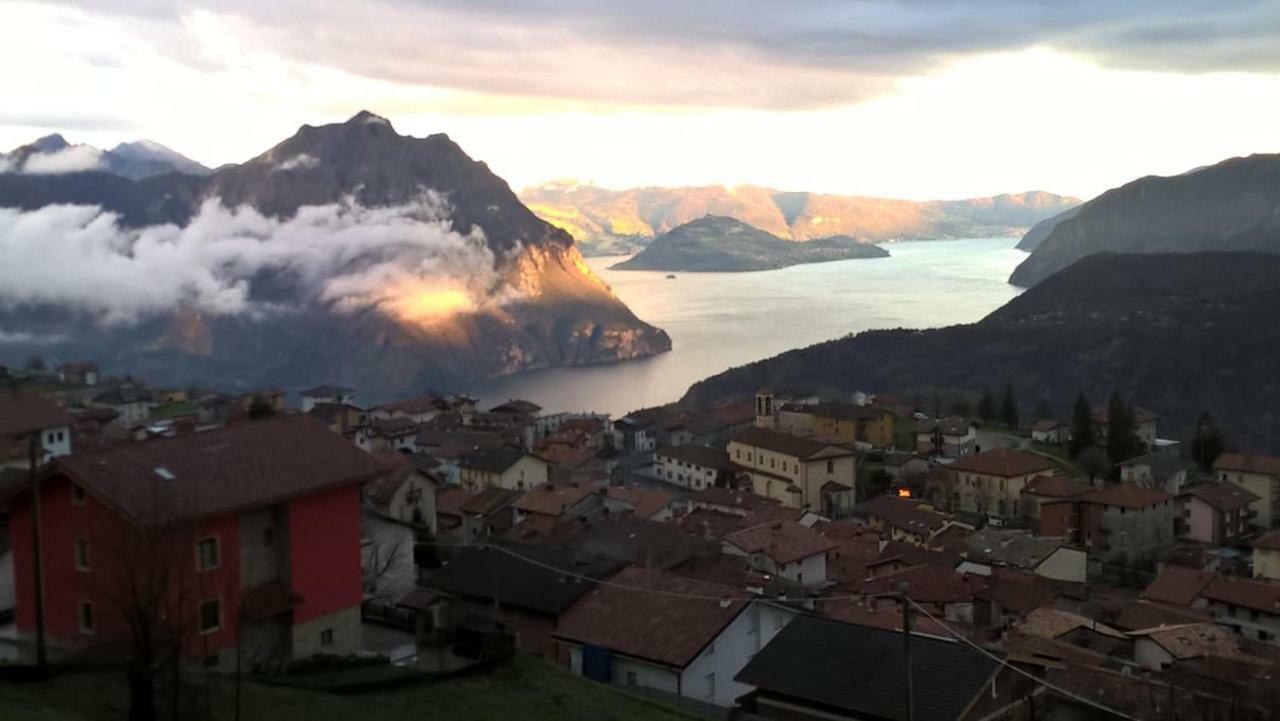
[{"x": 251, "y": 532}]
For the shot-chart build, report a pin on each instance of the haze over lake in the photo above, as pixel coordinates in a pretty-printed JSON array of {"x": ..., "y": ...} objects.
[{"x": 721, "y": 320}]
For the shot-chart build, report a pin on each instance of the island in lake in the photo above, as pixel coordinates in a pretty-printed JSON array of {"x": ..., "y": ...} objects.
[{"x": 719, "y": 244}]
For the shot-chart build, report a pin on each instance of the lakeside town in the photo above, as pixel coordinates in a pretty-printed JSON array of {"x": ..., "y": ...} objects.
[{"x": 778, "y": 557}]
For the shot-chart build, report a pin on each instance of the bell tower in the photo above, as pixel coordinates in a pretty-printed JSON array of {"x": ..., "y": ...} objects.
[{"x": 765, "y": 416}]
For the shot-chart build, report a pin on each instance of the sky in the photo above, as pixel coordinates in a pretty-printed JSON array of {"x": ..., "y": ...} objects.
[{"x": 896, "y": 98}]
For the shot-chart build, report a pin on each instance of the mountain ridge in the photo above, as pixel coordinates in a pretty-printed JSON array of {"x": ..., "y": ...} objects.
[{"x": 605, "y": 220}]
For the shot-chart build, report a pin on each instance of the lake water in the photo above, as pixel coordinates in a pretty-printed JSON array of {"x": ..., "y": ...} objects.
[{"x": 721, "y": 320}]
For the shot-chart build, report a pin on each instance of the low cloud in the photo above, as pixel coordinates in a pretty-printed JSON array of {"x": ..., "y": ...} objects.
[
  {"x": 236, "y": 261},
  {"x": 72, "y": 159},
  {"x": 299, "y": 161}
]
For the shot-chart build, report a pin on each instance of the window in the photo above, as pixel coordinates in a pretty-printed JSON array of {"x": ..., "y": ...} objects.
[
  {"x": 771, "y": 460},
  {"x": 77, "y": 494},
  {"x": 207, "y": 553},
  {"x": 210, "y": 616},
  {"x": 326, "y": 637},
  {"x": 82, "y": 554},
  {"x": 85, "y": 617},
  {"x": 831, "y": 466}
]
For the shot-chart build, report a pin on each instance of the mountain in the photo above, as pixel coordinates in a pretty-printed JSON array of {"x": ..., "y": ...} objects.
[
  {"x": 1233, "y": 205},
  {"x": 53, "y": 155},
  {"x": 1174, "y": 333},
  {"x": 1038, "y": 232},
  {"x": 373, "y": 259},
  {"x": 606, "y": 220},
  {"x": 717, "y": 243}
]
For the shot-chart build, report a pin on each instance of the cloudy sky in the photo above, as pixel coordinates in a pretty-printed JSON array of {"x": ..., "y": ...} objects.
[{"x": 905, "y": 98}]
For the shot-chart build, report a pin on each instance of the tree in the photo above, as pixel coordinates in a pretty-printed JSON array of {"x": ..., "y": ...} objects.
[
  {"x": 1082, "y": 432},
  {"x": 1207, "y": 443},
  {"x": 1093, "y": 462},
  {"x": 987, "y": 406},
  {"x": 1044, "y": 410},
  {"x": 1122, "y": 438},
  {"x": 1009, "y": 407},
  {"x": 35, "y": 364},
  {"x": 260, "y": 407}
]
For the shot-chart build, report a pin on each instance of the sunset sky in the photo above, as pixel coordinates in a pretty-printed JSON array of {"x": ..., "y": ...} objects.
[{"x": 905, "y": 98}]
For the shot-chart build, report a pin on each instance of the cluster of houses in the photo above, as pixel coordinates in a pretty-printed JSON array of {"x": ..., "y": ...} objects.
[{"x": 778, "y": 555}]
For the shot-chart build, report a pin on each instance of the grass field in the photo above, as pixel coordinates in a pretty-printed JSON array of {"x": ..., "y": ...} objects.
[{"x": 530, "y": 690}]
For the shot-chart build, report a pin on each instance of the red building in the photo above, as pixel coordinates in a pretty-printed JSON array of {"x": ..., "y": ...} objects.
[{"x": 246, "y": 534}]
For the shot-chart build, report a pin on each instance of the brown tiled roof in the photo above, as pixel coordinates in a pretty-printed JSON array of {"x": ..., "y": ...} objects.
[
  {"x": 394, "y": 427},
  {"x": 1178, "y": 586},
  {"x": 1126, "y": 495},
  {"x": 1048, "y": 622},
  {"x": 22, "y": 413},
  {"x": 221, "y": 471},
  {"x": 1269, "y": 541},
  {"x": 1020, "y": 591},
  {"x": 1246, "y": 592},
  {"x": 949, "y": 426},
  {"x": 517, "y": 407},
  {"x": 449, "y": 501},
  {"x": 550, "y": 499},
  {"x": 882, "y": 614},
  {"x": 491, "y": 460},
  {"x": 1223, "y": 496},
  {"x": 730, "y": 498},
  {"x": 704, "y": 523},
  {"x": 1057, "y": 486},
  {"x": 784, "y": 443},
  {"x": 666, "y": 628},
  {"x": 644, "y": 502},
  {"x": 931, "y": 583},
  {"x": 1002, "y": 462},
  {"x": 1148, "y": 614},
  {"x": 383, "y": 488},
  {"x": 906, "y": 514},
  {"x": 783, "y": 541},
  {"x": 1193, "y": 640},
  {"x": 568, "y": 457},
  {"x": 1244, "y": 463},
  {"x": 847, "y": 562},
  {"x": 487, "y": 501}
]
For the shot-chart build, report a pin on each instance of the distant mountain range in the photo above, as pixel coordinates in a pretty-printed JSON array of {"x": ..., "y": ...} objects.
[
  {"x": 53, "y": 155},
  {"x": 1176, "y": 333},
  {"x": 1231, "y": 206},
  {"x": 611, "y": 221},
  {"x": 347, "y": 253},
  {"x": 719, "y": 244}
]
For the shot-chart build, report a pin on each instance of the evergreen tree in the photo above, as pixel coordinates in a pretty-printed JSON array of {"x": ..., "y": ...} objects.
[
  {"x": 1044, "y": 410},
  {"x": 260, "y": 407},
  {"x": 1122, "y": 440},
  {"x": 1009, "y": 408},
  {"x": 1094, "y": 463},
  {"x": 1082, "y": 433},
  {"x": 987, "y": 406},
  {"x": 1207, "y": 443}
]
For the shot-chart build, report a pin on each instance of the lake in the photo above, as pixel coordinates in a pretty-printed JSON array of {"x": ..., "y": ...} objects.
[{"x": 721, "y": 320}]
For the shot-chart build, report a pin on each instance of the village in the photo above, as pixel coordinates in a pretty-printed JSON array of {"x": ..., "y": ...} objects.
[{"x": 787, "y": 556}]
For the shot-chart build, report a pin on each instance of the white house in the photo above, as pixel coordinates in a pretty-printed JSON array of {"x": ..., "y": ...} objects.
[
  {"x": 783, "y": 548},
  {"x": 327, "y": 394},
  {"x": 23, "y": 415},
  {"x": 675, "y": 642},
  {"x": 693, "y": 467}
]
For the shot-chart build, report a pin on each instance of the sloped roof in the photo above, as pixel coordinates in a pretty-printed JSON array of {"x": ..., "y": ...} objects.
[
  {"x": 1126, "y": 495},
  {"x": 1002, "y": 462},
  {"x": 552, "y": 499},
  {"x": 23, "y": 413},
  {"x": 491, "y": 460},
  {"x": 1177, "y": 585},
  {"x": 1223, "y": 496},
  {"x": 487, "y": 501},
  {"x": 517, "y": 407},
  {"x": 394, "y": 427},
  {"x": 1011, "y": 547},
  {"x": 1245, "y": 463},
  {"x": 664, "y": 626},
  {"x": 414, "y": 406},
  {"x": 930, "y": 583},
  {"x": 450, "y": 500},
  {"x": 1193, "y": 640},
  {"x": 907, "y": 514},
  {"x": 644, "y": 502},
  {"x": 785, "y": 443},
  {"x": 949, "y": 426},
  {"x": 220, "y": 471},
  {"x": 781, "y": 541},
  {"x": 1057, "y": 486},
  {"x": 1269, "y": 541},
  {"x": 1245, "y": 592},
  {"x": 859, "y": 669},
  {"x": 1048, "y": 622},
  {"x": 1149, "y": 614},
  {"x": 491, "y": 574},
  {"x": 837, "y": 410},
  {"x": 730, "y": 498}
]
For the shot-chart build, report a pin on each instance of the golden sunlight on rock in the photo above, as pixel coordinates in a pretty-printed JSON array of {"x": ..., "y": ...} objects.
[{"x": 430, "y": 306}]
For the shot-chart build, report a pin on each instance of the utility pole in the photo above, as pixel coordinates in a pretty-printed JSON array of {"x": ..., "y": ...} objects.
[
  {"x": 906, "y": 646},
  {"x": 37, "y": 569}
]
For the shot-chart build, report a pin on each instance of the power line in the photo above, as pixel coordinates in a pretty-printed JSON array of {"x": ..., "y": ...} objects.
[
  {"x": 753, "y": 597},
  {"x": 1015, "y": 669}
]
